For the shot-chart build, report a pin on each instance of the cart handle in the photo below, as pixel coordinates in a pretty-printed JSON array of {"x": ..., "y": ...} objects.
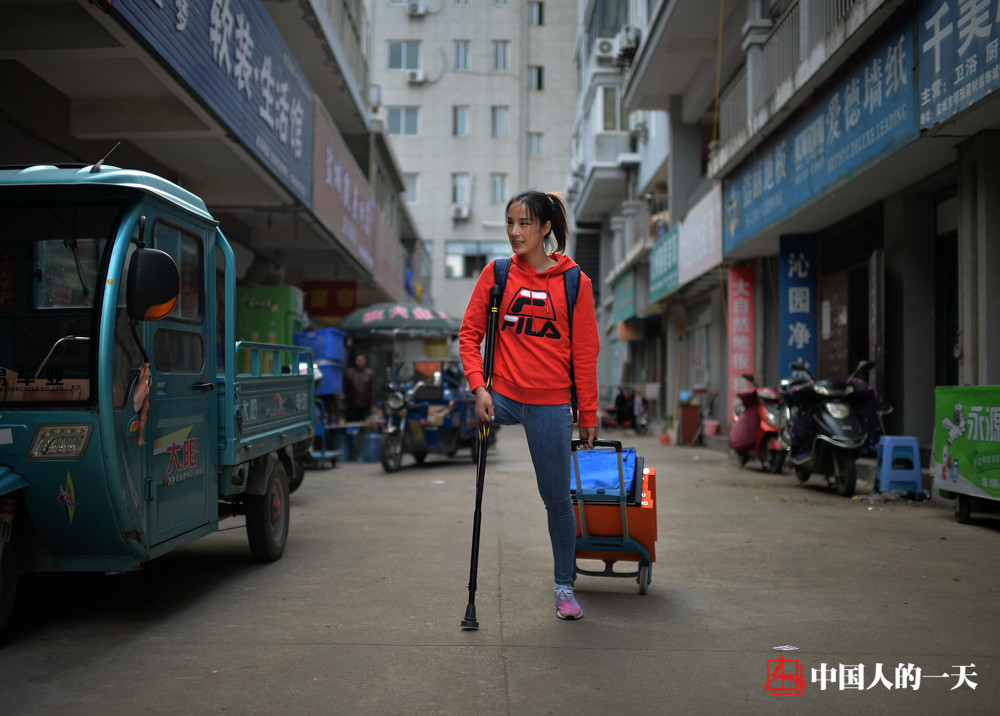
[{"x": 599, "y": 442}]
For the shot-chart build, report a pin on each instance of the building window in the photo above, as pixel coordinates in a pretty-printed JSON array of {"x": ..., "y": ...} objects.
[
  {"x": 402, "y": 120},
  {"x": 500, "y": 2},
  {"x": 467, "y": 259},
  {"x": 534, "y": 144},
  {"x": 402, "y": 55},
  {"x": 461, "y": 54},
  {"x": 501, "y": 54},
  {"x": 460, "y": 121},
  {"x": 535, "y": 13},
  {"x": 609, "y": 109},
  {"x": 499, "y": 122},
  {"x": 395, "y": 2},
  {"x": 498, "y": 188},
  {"x": 410, "y": 192},
  {"x": 461, "y": 2},
  {"x": 460, "y": 188},
  {"x": 535, "y": 77}
]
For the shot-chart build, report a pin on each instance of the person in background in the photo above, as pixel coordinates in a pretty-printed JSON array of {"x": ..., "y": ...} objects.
[
  {"x": 534, "y": 370},
  {"x": 359, "y": 390}
]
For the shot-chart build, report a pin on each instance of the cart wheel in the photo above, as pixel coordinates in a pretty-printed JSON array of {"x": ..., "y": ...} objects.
[
  {"x": 8, "y": 582},
  {"x": 420, "y": 457},
  {"x": 267, "y": 517},
  {"x": 802, "y": 474},
  {"x": 963, "y": 509},
  {"x": 643, "y": 578},
  {"x": 391, "y": 452}
]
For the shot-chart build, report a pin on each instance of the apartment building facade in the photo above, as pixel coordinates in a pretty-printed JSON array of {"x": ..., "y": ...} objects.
[
  {"x": 476, "y": 98},
  {"x": 828, "y": 192}
]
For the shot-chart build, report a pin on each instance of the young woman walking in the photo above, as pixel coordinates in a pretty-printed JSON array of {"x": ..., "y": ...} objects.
[{"x": 539, "y": 359}]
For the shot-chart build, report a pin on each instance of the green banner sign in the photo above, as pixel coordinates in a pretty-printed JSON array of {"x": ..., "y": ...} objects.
[{"x": 663, "y": 272}]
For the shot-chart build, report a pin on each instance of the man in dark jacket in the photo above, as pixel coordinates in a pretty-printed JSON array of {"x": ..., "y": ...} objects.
[{"x": 359, "y": 390}]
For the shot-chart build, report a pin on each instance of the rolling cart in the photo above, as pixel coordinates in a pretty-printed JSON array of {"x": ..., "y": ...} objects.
[{"x": 614, "y": 497}]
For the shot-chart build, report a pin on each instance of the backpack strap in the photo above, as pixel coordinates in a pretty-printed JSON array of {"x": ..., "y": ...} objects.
[
  {"x": 571, "y": 282},
  {"x": 500, "y": 269}
]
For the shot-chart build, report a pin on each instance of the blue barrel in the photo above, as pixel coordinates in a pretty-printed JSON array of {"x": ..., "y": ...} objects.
[{"x": 371, "y": 444}]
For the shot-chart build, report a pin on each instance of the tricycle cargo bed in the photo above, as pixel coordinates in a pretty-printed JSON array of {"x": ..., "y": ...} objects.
[{"x": 273, "y": 410}]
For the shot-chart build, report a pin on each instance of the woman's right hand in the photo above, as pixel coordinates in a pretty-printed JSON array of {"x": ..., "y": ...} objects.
[{"x": 484, "y": 404}]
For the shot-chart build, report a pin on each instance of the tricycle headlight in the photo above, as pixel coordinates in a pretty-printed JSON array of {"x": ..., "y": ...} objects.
[
  {"x": 60, "y": 442},
  {"x": 396, "y": 401}
]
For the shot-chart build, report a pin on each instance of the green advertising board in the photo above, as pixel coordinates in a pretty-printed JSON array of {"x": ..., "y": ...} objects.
[
  {"x": 663, "y": 263},
  {"x": 966, "y": 459}
]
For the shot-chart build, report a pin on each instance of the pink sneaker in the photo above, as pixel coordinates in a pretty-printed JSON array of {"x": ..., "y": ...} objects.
[{"x": 566, "y": 605}]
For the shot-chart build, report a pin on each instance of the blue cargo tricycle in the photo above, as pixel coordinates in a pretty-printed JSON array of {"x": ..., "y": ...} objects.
[{"x": 428, "y": 409}]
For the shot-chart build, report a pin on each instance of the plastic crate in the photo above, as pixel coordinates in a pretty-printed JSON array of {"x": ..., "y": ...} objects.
[
  {"x": 326, "y": 343},
  {"x": 333, "y": 378}
]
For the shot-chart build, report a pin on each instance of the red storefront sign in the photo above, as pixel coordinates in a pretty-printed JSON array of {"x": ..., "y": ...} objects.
[{"x": 741, "y": 329}]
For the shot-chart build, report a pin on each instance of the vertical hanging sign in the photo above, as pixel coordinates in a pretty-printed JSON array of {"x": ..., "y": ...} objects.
[
  {"x": 797, "y": 324},
  {"x": 741, "y": 328}
]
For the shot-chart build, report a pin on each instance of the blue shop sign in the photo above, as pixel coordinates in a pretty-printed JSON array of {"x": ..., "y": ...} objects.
[
  {"x": 864, "y": 117},
  {"x": 959, "y": 56},
  {"x": 663, "y": 266},
  {"x": 234, "y": 59},
  {"x": 797, "y": 310}
]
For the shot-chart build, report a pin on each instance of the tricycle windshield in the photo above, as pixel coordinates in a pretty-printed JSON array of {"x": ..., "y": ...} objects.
[{"x": 53, "y": 261}]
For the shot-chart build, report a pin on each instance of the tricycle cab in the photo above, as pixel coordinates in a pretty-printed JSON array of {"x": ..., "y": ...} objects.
[{"x": 125, "y": 430}]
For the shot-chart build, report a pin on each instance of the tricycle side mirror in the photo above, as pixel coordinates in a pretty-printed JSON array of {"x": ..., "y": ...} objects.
[{"x": 153, "y": 285}]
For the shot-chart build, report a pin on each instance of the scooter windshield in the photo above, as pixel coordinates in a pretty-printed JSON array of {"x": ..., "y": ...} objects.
[{"x": 53, "y": 258}]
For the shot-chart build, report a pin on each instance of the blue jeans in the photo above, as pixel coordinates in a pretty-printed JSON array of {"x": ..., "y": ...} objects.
[{"x": 549, "y": 429}]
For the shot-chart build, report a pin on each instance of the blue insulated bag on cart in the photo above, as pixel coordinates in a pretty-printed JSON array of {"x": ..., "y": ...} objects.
[{"x": 599, "y": 471}]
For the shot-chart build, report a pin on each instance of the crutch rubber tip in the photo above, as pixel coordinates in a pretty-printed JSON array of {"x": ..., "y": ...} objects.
[{"x": 470, "y": 621}]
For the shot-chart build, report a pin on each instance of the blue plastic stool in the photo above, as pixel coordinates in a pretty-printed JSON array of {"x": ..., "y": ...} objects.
[{"x": 898, "y": 465}]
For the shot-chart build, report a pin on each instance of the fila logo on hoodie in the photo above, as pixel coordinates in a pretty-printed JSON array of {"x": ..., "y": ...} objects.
[{"x": 531, "y": 313}]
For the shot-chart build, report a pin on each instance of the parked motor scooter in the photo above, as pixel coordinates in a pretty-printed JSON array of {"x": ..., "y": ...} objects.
[
  {"x": 627, "y": 412},
  {"x": 830, "y": 423},
  {"x": 755, "y": 432}
]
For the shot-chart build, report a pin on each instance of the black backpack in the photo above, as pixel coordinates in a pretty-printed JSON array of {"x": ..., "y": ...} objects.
[{"x": 571, "y": 282}]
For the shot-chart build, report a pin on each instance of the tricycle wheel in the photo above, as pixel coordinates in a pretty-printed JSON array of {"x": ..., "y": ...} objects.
[
  {"x": 420, "y": 457},
  {"x": 802, "y": 474},
  {"x": 643, "y": 578},
  {"x": 8, "y": 583},
  {"x": 963, "y": 509},
  {"x": 298, "y": 475},
  {"x": 267, "y": 517},
  {"x": 391, "y": 452}
]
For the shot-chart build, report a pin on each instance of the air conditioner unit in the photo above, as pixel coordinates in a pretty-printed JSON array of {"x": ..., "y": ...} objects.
[
  {"x": 604, "y": 48},
  {"x": 460, "y": 211},
  {"x": 626, "y": 42},
  {"x": 416, "y": 9},
  {"x": 415, "y": 77}
]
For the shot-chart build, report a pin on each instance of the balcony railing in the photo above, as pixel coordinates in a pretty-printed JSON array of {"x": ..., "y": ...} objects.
[
  {"x": 781, "y": 54},
  {"x": 733, "y": 110},
  {"x": 834, "y": 12}
]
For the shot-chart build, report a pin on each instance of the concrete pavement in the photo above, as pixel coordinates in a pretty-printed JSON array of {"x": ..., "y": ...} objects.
[{"x": 362, "y": 613}]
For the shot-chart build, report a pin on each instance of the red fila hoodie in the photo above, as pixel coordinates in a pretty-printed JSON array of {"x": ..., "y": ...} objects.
[{"x": 533, "y": 351}]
